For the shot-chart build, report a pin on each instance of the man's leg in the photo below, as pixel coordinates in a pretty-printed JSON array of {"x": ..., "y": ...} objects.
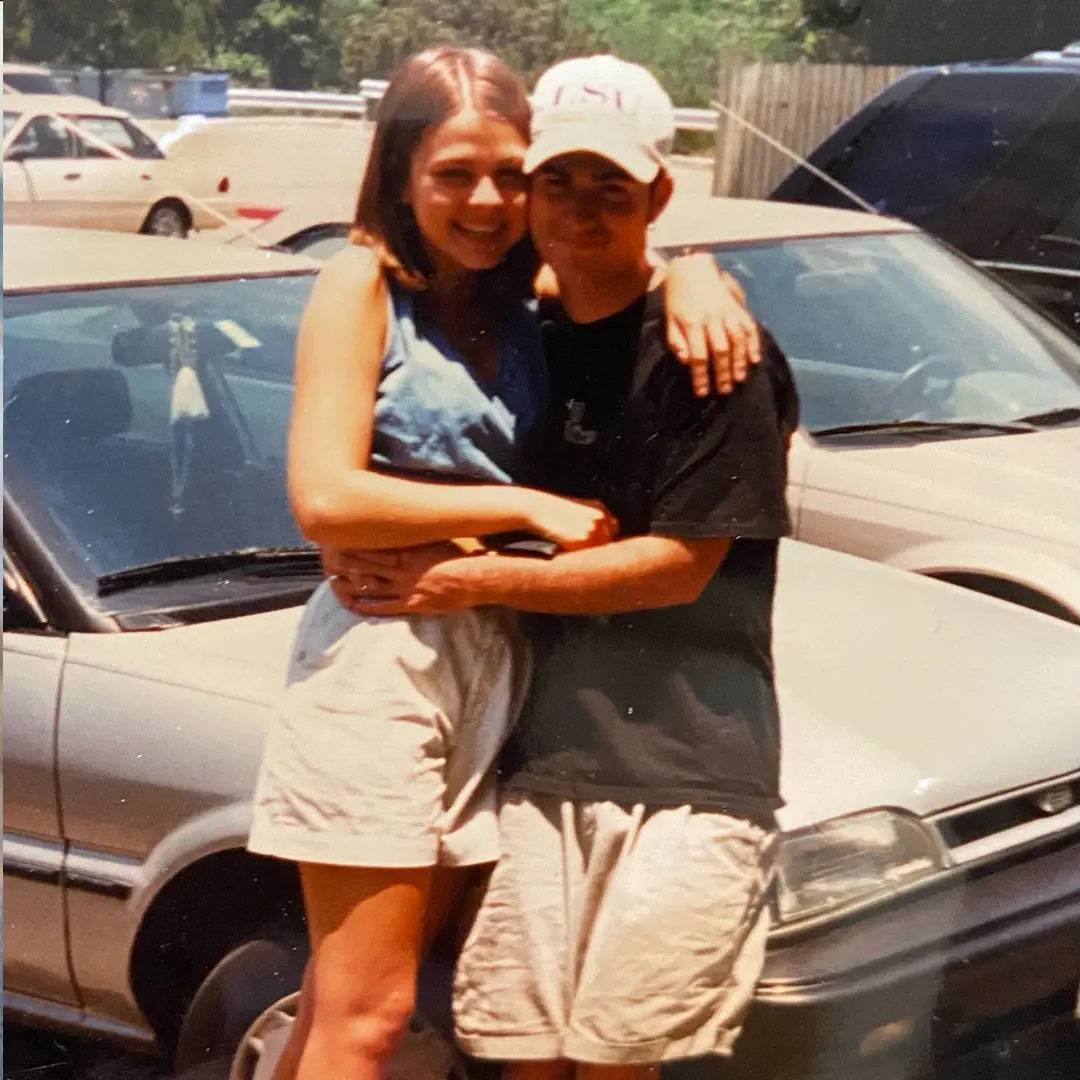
[{"x": 677, "y": 942}]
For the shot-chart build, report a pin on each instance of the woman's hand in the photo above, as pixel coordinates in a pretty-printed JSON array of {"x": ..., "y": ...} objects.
[
  {"x": 570, "y": 523},
  {"x": 709, "y": 327},
  {"x": 395, "y": 582}
]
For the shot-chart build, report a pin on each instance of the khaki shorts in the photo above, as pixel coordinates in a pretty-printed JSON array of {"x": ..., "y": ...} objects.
[
  {"x": 382, "y": 753},
  {"x": 614, "y": 935}
]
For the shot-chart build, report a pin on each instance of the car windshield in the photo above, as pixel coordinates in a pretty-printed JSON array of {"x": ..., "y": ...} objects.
[
  {"x": 149, "y": 423},
  {"x": 10, "y": 120},
  {"x": 896, "y": 327}
]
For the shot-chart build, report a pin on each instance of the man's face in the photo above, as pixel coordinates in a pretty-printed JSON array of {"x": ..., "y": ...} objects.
[{"x": 585, "y": 213}]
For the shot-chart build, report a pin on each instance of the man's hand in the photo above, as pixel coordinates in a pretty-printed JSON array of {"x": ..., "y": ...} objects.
[
  {"x": 407, "y": 581},
  {"x": 709, "y": 327}
]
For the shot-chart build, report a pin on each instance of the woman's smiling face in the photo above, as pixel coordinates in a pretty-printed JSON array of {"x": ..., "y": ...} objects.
[{"x": 468, "y": 192}]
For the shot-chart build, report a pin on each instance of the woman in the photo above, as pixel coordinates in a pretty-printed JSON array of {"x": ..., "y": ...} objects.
[{"x": 419, "y": 367}]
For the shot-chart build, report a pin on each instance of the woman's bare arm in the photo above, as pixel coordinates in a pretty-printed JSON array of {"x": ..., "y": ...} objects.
[{"x": 337, "y": 500}]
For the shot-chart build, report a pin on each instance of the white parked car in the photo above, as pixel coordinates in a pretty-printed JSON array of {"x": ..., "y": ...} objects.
[
  {"x": 940, "y": 411},
  {"x": 928, "y": 901},
  {"x": 55, "y": 176}
]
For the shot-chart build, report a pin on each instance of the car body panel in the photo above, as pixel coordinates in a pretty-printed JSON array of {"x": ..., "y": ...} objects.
[
  {"x": 854, "y": 746},
  {"x": 1005, "y": 506},
  {"x": 211, "y": 687},
  {"x": 87, "y": 193},
  {"x": 33, "y": 904}
]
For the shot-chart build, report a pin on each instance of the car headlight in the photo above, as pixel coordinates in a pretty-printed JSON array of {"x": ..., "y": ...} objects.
[{"x": 853, "y": 860}]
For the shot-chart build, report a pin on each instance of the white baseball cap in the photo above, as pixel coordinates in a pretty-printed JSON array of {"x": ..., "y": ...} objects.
[{"x": 606, "y": 106}]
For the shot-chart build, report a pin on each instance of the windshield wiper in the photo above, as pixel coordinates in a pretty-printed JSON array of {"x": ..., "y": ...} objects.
[
  {"x": 925, "y": 427},
  {"x": 1065, "y": 415},
  {"x": 1058, "y": 238},
  {"x": 257, "y": 561}
]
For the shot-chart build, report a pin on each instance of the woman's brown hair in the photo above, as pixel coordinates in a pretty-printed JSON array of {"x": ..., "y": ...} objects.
[{"x": 425, "y": 90}]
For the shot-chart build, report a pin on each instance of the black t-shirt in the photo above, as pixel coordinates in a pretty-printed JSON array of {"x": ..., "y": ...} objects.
[{"x": 673, "y": 705}]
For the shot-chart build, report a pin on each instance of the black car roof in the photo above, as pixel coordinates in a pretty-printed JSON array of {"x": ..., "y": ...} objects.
[{"x": 1040, "y": 61}]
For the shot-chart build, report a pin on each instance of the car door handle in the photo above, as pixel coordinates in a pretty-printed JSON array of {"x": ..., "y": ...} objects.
[{"x": 72, "y": 175}]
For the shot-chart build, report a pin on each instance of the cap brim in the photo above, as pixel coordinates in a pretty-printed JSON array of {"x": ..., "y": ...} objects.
[{"x": 605, "y": 141}]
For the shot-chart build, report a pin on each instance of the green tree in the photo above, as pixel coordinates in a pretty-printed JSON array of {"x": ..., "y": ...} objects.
[
  {"x": 275, "y": 41},
  {"x": 377, "y": 36},
  {"x": 101, "y": 33},
  {"x": 683, "y": 41},
  {"x": 937, "y": 31}
]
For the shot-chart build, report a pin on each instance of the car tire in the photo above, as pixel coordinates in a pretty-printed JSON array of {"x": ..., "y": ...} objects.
[
  {"x": 239, "y": 1019},
  {"x": 167, "y": 219},
  {"x": 254, "y": 976}
]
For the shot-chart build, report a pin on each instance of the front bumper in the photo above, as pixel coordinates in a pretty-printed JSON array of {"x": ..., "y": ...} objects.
[{"x": 900, "y": 992}]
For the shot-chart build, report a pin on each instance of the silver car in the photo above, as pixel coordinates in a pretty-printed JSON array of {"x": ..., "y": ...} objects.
[{"x": 928, "y": 900}]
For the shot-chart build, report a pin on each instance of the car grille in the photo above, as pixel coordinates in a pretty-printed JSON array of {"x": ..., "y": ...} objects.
[{"x": 1010, "y": 820}]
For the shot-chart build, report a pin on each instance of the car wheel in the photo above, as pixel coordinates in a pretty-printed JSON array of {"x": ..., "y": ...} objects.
[
  {"x": 251, "y": 978},
  {"x": 240, "y": 1017},
  {"x": 167, "y": 219}
]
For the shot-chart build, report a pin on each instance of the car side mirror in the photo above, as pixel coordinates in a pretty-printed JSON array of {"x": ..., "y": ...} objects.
[{"x": 18, "y": 156}]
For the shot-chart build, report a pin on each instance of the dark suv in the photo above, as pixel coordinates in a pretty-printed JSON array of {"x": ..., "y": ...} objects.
[{"x": 985, "y": 155}]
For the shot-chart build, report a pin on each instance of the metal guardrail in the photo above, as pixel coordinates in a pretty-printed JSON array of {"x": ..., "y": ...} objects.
[
  {"x": 371, "y": 92},
  {"x": 298, "y": 101}
]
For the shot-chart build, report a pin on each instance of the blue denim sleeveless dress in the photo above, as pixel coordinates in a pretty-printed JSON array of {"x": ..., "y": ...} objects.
[
  {"x": 432, "y": 414},
  {"x": 383, "y": 750}
]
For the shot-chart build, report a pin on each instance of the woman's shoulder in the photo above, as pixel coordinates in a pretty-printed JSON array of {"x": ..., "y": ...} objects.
[{"x": 354, "y": 269}]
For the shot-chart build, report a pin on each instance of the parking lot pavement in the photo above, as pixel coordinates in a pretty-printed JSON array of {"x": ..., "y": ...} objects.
[{"x": 35, "y": 1055}]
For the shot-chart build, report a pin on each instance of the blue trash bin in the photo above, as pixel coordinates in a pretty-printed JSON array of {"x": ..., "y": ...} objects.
[
  {"x": 202, "y": 92},
  {"x": 84, "y": 82},
  {"x": 145, "y": 94}
]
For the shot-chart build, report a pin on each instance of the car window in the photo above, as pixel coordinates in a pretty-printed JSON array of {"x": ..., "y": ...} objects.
[
  {"x": 45, "y": 137},
  {"x": 151, "y": 422},
  {"x": 923, "y": 153},
  {"x": 895, "y": 327},
  {"x": 1023, "y": 210},
  {"x": 119, "y": 133},
  {"x": 10, "y": 120}
]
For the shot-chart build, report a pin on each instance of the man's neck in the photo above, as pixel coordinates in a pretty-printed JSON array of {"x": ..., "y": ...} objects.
[{"x": 589, "y": 297}]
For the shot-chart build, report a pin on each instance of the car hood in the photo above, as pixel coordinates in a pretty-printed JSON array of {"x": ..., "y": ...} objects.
[
  {"x": 895, "y": 690},
  {"x": 1028, "y": 484}
]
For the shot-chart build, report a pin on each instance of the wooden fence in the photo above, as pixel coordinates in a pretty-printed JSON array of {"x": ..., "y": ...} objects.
[{"x": 797, "y": 104}]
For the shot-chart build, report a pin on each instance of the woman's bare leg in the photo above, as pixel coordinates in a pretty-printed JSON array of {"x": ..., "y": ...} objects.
[
  {"x": 366, "y": 927},
  {"x": 286, "y": 1065},
  {"x": 444, "y": 889}
]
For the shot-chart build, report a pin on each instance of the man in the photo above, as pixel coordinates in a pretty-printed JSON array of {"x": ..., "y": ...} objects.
[{"x": 625, "y": 924}]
